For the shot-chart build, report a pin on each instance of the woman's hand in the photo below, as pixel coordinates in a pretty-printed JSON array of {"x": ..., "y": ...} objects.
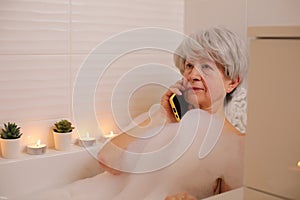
[
  {"x": 181, "y": 196},
  {"x": 178, "y": 89}
]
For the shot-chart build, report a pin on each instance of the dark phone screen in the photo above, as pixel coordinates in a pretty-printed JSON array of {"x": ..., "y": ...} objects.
[{"x": 181, "y": 105}]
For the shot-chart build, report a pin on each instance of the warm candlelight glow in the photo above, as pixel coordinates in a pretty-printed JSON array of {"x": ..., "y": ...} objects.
[
  {"x": 86, "y": 140},
  {"x": 38, "y": 143},
  {"x": 111, "y": 133},
  {"x": 298, "y": 164},
  {"x": 37, "y": 148}
]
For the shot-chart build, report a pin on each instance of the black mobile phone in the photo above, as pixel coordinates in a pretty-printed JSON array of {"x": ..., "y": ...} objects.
[{"x": 179, "y": 106}]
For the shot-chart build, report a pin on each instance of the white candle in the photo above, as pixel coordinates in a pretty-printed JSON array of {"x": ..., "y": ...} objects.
[
  {"x": 110, "y": 135},
  {"x": 36, "y": 149},
  {"x": 86, "y": 141}
]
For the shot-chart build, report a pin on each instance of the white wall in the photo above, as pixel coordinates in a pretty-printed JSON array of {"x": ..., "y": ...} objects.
[
  {"x": 237, "y": 15},
  {"x": 44, "y": 42},
  {"x": 205, "y": 13},
  {"x": 273, "y": 12}
]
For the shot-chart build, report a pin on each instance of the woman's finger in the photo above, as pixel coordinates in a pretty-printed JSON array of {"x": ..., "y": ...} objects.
[
  {"x": 177, "y": 88},
  {"x": 181, "y": 196}
]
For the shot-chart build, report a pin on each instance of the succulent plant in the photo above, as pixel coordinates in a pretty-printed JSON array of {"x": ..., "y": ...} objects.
[
  {"x": 11, "y": 131},
  {"x": 63, "y": 126}
]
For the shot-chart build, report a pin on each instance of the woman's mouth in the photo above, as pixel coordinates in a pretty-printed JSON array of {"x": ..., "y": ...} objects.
[{"x": 196, "y": 89}]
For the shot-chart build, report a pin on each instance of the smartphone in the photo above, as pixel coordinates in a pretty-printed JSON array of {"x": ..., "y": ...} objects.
[{"x": 179, "y": 106}]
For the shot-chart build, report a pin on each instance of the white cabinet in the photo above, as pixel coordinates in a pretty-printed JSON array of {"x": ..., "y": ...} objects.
[{"x": 273, "y": 128}]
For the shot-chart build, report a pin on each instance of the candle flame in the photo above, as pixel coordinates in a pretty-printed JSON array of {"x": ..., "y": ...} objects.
[
  {"x": 111, "y": 133},
  {"x": 298, "y": 164},
  {"x": 38, "y": 142}
]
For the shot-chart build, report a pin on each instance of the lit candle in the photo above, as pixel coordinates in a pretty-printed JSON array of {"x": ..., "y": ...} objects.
[
  {"x": 36, "y": 149},
  {"x": 110, "y": 135},
  {"x": 86, "y": 141},
  {"x": 295, "y": 168}
]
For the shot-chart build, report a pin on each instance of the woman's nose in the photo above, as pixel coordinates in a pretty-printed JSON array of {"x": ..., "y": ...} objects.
[{"x": 194, "y": 75}]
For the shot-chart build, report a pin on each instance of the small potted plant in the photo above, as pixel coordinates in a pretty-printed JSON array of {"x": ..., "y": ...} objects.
[
  {"x": 10, "y": 140},
  {"x": 62, "y": 133}
]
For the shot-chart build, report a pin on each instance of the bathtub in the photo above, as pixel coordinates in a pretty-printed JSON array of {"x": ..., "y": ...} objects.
[
  {"x": 236, "y": 194},
  {"x": 33, "y": 173}
]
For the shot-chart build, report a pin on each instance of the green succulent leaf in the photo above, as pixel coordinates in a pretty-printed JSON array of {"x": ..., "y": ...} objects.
[
  {"x": 63, "y": 126},
  {"x": 10, "y": 131}
]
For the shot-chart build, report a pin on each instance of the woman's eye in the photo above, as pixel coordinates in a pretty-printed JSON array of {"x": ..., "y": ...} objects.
[
  {"x": 189, "y": 66},
  {"x": 207, "y": 69},
  {"x": 205, "y": 66}
]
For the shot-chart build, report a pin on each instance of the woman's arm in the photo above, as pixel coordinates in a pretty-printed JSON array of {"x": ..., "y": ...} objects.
[
  {"x": 124, "y": 139},
  {"x": 158, "y": 118}
]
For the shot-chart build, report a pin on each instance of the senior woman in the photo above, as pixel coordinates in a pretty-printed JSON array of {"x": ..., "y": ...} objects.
[{"x": 213, "y": 63}]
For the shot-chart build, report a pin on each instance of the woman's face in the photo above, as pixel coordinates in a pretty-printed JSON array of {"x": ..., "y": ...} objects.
[{"x": 206, "y": 84}]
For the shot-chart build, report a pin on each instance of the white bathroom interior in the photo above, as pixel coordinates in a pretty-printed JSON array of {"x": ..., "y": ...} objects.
[{"x": 43, "y": 44}]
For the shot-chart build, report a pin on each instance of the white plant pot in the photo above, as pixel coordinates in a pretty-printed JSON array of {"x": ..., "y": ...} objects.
[
  {"x": 62, "y": 141},
  {"x": 10, "y": 148}
]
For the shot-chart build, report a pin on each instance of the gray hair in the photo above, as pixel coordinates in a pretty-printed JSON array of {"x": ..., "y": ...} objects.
[{"x": 217, "y": 44}]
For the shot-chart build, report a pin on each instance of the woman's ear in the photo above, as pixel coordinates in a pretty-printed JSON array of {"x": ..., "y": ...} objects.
[{"x": 233, "y": 84}]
